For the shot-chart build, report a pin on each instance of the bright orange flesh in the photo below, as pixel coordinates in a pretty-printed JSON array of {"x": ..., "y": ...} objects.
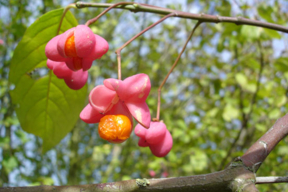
[
  {"x": 70, "y": 51},
  {"x": 115, "y": 128}
]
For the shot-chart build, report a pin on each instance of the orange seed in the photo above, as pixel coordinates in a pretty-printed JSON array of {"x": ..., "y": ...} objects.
[
  {"x": 70, "y": 49},
  {"x": 115, "y": 128}
]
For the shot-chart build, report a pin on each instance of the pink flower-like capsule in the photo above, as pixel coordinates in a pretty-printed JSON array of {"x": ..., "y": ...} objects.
[
  {"x": 77, "y": 47},
  {"x": 157, "y": 138},
  {"x": 115, "y": 97},
  {"x": 74, "y": 79}
]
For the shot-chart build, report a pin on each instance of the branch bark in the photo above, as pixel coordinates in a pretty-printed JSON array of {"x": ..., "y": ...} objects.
[
  {"x": 239, "y": 175},
  {"x": 233, "y": 178},
  {"x": 139, "y": 7},
  {"x": 257, "y": 153}
]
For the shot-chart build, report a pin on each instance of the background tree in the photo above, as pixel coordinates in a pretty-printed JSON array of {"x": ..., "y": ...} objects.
[{"x": 228, "y": 89}]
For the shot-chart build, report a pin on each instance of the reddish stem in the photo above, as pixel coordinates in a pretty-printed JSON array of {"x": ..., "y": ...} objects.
[
  {"x": 108, "y": 9},
  {"x": 118, "y": 51},
  {"x": 72, "y": 5},
  {"x": 119, "y": 64},
  {"x": 170, "y": 71}
]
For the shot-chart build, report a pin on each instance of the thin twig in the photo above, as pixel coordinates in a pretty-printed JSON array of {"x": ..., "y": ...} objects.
[
  {"x": 104, "y": 12},
  {"x": 141, "y": 39},
  {"x": 118, "y": 51},
  {"x": 119, "y": 64},
  {"x": 72, "y": 5},
  {"x": 170, "y": 71}
]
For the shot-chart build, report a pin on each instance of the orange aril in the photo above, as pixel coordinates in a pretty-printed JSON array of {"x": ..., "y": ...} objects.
[
  {"x": 115, "y": 128},
  {"x": 70, "y": 51}
]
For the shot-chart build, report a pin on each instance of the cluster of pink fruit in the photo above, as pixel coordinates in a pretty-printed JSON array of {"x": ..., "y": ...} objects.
[{"x": 70, "y": 55}]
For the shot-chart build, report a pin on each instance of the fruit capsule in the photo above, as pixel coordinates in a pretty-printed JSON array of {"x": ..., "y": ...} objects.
[{"x": 115, "y": 128}]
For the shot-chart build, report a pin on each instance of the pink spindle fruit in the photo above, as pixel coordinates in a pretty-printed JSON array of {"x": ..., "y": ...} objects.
[{"x": 157, "y": 138}]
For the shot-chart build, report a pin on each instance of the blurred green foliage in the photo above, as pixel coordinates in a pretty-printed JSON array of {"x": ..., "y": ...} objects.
[{"x": 228, "y": 89}]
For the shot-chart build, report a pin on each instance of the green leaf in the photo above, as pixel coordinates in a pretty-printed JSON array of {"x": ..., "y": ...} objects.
[
  {"x": 181, "y": 124},
  {"x": 213, "y": 112},
  {"x": 251, "y": 87},
  {"x": 283, "y": 150},
  {"x": 281, "y": 64},
  {"x": 265, "y": 13},
  {"x": 21, "y": 135},
  {"x": 272, "y": 33},
  {"x": 46, "y": 180},
  {"x": 4, "y": 142},
  {"x": 43, "y": 181},
  {"x": 199, "y": 160},
  {"x": 274, "y": 114},
  {"x": 243, "y": 82},
  {"x": 241, "y": 79},
  {"x": 177, "y": 133},
  {"x": 10, "y": 163},
  {"x": 126, "y": 177},
  {"x": 251, "y": 62},
  {"x": 45, "y": 105},
  {"x": 281, "y": 100},
  {"x": 261, "y": 127},
  {"x": 230, "y": 112},
  {"x": 251, "y": 32}
]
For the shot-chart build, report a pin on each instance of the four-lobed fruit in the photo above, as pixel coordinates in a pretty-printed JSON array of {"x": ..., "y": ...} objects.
[
  {"x": 71, "y": 54},
  {"x": 78, "y": 47}
]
